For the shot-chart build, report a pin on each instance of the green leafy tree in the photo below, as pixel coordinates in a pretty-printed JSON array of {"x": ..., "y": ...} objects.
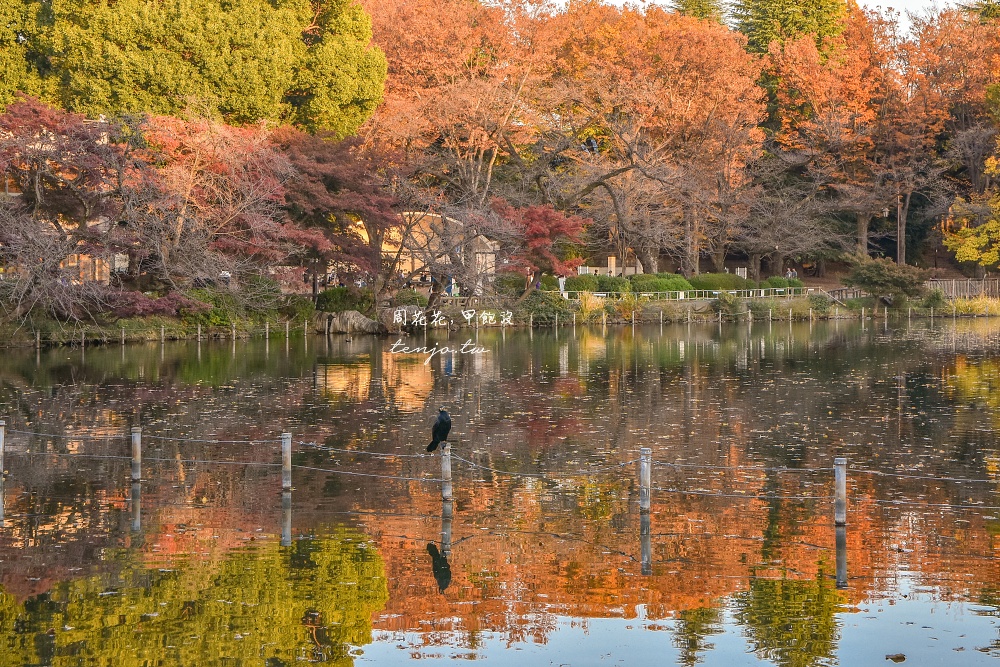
[
  {"x": 986, "y": 9},
  {"x": 249, "y": 60},
  {"x": 15, "y": 73},
  {"x": 267, "y": 605},
  {"x": 702, "y": 9},
  {"x": 766, "y": 21}
]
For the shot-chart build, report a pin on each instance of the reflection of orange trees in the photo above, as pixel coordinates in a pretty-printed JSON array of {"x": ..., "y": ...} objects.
[
  {"x": 404, "y": 383},
  {"x": 524, "y": 551}
]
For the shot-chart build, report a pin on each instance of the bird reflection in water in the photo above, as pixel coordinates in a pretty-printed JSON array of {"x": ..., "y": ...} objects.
[{"x": 442, "y": 570}]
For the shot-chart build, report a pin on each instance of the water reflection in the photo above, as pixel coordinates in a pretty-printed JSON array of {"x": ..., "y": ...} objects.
[{"x": 545, "y": 533}]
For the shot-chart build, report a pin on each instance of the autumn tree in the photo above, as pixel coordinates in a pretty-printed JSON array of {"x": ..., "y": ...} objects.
[
  {"x": 671, "y": 103},
  {"x": 213, "y": 205},
  {"x": 69, "y": 179},
  {"x": 828, "y": 110},
  {"x": 343, "y": 191}
]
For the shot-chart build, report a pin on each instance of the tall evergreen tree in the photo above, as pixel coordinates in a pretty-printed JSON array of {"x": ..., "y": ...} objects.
[
  {"x": 249, "y": 60},
  {"x": 988, "y": 10},
  {"x": 702, "y": 9},
  {"x": 766, "y": 21}
]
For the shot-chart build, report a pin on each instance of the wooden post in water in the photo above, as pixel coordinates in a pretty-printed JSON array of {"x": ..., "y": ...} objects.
[
  {"x": 531, "y": 320},
  {"x": 446, "y": 471},
  {"x": 233, "y": 330},
  {"x": 136, "y": 454},
  {"x": 3, "y": 436},
  {"x": 557, "y": 321},
  {"x": 862, "y": 312},
  {"x": 645, "y": 544},
  {"x": 123, "y": 335},
  {"x": 163, "y": 333},
  {"x": 769, "y": 313},
  {"x": 841, "y": 539},
  {"x": 447, "y": 512},
  {"x": 135, "y": 500},
  {"x": 288, "y": 325},
  {"x": 267, "y": 331},
  {"x": 840, "y": 491},
  {"x": 661, "y": 317},
  {"x": 932, "y": 312},
  {"x": 810, "y": 314},
  {"x": 199, "y": 332},
  {"x": 286, "y": 461},
  {"x": 83, "y": 339},
  {"x": 286, "y": 518},
  {"x": 789, "y": 314},
  {"x": 38, "y": 340},
  {"x": 574, "y": 319},
  {"x": 604, "y": 318},
  {"x": 645, "y": 474}
]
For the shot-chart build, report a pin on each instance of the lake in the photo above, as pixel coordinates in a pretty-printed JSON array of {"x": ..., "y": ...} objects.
[{"x": 543, "y": 557}]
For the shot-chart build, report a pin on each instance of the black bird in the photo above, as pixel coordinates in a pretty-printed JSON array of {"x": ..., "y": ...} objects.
[{"x": 441, "y": 429}]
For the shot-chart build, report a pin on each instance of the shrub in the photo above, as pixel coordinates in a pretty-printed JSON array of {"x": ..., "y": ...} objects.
[
  {"x": 761, "y": 308},
  {"x": 720, "y": 281},
  {"x": 727, "y": 304},
  {"x": 627, "y": 306},
  {"x": 549, "y": 283},
  {"x": 337, "y": 299},
  {"x": 935, "y": 299},
  {"x": 297, "y": 307},
  {"x": 883, "y": 277},
  {"x": 582, "y": 284},
  {"x": 774, "y": 282},
  {"x": 674, "y": 283},
  {"x": 613, "y": 284},
  {"x": 544, "y": 306},
  {"x": 510, "y": 284},
  {"x": 589, "y": 305},
  {"x": 409, "y": 297},
  {"x": 659, "y": 282},
  {"x": 137, "y": 304},
  {"x": 820, "y": 303}
]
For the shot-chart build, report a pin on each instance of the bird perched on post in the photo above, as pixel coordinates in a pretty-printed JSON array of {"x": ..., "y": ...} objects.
[{"x": 441, "y": 429}]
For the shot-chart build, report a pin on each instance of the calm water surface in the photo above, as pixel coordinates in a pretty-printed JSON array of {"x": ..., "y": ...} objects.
[{"x": 543, "y": 558}]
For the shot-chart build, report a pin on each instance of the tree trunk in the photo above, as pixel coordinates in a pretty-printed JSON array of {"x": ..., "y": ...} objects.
[
  {"x": 902, "y": 208},
  {"x": 647, "y": 260},
  {"x": 719, "y": 259},
  {"x": 755, "y": 267},
  {"x": 692, "y": 251},
  {"x": 864, "y": 219}
]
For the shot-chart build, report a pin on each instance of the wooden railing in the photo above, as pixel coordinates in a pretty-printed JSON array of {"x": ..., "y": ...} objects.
[
  {"x": 703, "y": 294},
  {"x": 965, "y": 289}
]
